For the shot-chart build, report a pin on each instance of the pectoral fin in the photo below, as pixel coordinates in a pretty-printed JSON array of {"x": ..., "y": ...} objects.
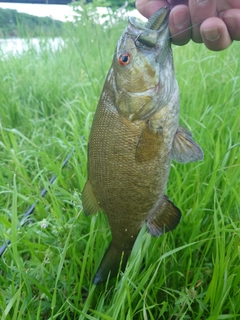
[
  {"x": 184, "y": 148},
  {"x": 165, "y": 218},
  {"x": 148, "y": 145},
  {"x": 89, "y": 202}
]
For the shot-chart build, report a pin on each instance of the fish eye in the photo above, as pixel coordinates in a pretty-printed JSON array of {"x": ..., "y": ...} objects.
[{"x": 124, "y": 59}]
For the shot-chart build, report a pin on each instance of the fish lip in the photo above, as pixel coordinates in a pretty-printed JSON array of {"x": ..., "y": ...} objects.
[
  {"x": 162, "y": 26},
  {"x": 159, "y": 20},
  {"x": 155, "y": 31}
]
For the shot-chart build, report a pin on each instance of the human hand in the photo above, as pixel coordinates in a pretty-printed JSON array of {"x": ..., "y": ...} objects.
[{"x": 214, "y": 22}]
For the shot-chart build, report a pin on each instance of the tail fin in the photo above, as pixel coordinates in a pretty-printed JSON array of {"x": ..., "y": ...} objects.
[{"x": 110, "y": 264}]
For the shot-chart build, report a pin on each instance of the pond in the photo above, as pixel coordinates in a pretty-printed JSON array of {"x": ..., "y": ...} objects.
[{"x": 15, "y": 46}]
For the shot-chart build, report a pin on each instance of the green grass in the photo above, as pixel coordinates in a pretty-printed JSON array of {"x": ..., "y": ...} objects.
[{"x": 47, "y": 102}]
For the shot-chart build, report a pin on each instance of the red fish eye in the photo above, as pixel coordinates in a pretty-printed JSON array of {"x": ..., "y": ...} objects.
[{"x": 124, "y": 59}]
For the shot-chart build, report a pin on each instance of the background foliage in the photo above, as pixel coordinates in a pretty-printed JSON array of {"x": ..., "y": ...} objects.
[
  {"x": 47, "y": 102},
  {"x": 16, "y": 24}
]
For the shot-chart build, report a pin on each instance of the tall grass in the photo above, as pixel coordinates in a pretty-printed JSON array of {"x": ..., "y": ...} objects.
[{"x": 47, "y": 101}]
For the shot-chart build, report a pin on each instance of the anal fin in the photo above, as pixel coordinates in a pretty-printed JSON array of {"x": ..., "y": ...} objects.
[
  {"x": 184, "y": 148},
  {"x": 165, "y": 218},
  {"x": 89, "y": 202}
]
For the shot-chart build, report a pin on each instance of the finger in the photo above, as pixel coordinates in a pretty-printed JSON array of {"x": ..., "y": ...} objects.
[
  {"x": 176, "y": 2},
  {"x": 148, "y": 7},
  {"x": 232, "y": 20},
  {"x": 215, "y": 34},
  {"x": 180, "y": 25},
  {"x": 224, "y": 5},
  {"x": 200, "y": 10}
]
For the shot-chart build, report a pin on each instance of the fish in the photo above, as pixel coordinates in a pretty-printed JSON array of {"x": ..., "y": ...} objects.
[{"x": 135, "y": 135}]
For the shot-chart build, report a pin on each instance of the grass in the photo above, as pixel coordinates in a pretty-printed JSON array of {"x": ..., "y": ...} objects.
[{"x": 47, "y": 102}]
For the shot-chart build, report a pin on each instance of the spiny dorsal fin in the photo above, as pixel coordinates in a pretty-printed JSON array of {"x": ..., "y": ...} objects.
[
  {"x": 184, "y": 148},
  {"x": 165, "y": 218},
  {"x": 89, "y": 202}
]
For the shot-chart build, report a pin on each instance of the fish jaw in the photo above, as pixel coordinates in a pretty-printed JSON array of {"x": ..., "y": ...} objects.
[
  {"x": 158, "y": 22},
  {"x": 155, "y": 34}
]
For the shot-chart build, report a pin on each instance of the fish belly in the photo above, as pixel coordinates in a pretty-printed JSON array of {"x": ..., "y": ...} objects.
[{"x": 126, "y": 189}]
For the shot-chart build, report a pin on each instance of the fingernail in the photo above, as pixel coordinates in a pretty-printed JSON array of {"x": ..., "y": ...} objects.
[
  {"x": 201, "y": 1},
  {"x": 229, "y": 21},
  {"x": 180, "y": 18},
  {"x": 211, "y": 34}
]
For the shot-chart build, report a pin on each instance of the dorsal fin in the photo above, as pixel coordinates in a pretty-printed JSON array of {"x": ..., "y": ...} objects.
[{"x": 113, "y": 260}]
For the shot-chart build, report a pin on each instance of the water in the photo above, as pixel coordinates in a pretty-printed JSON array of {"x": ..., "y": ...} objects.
[{"x": 16, "y": 46}]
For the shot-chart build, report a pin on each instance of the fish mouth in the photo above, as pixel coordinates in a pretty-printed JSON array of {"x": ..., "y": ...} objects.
[
  {"x": 155, "y": 26},
  {"x": 158, "y": 19}
]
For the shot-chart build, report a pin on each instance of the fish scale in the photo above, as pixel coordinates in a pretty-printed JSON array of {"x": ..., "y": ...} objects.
[{"x": 134, "y": 137}]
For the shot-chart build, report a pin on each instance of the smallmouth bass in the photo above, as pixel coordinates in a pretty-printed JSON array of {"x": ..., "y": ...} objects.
[{"x": 135, "y": 134}]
